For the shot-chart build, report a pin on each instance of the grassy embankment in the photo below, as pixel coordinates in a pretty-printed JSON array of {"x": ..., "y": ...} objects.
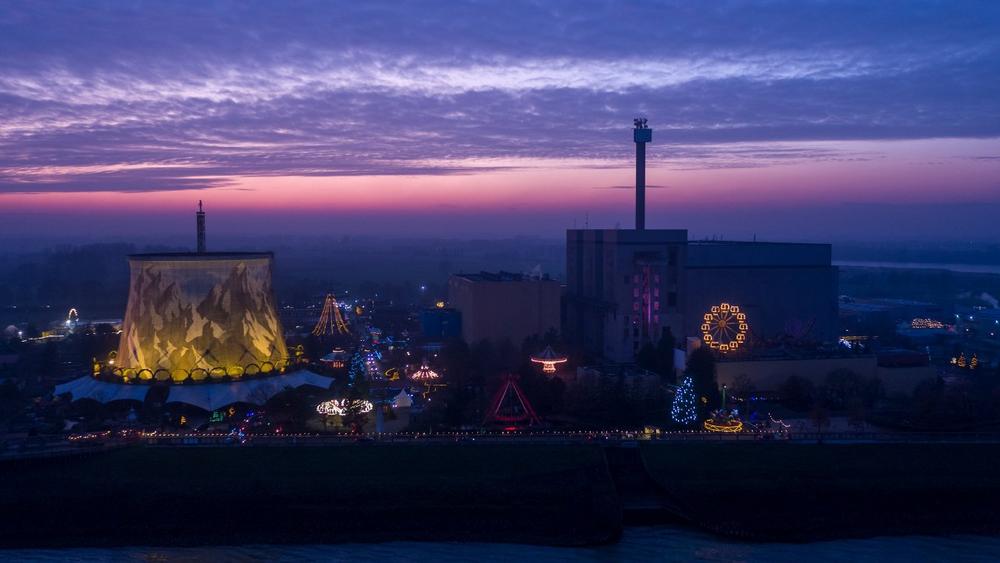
[
  {"x": 540, "y": 494},
  {"x": 809, "y": 491}
]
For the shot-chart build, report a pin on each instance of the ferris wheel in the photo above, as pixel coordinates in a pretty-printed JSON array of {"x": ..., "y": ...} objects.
[{"x": 724, "y": 327}]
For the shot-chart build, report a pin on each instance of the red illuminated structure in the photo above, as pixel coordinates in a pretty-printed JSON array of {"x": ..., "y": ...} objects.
[
  {"x": 511, "y": 406},
  {"x": 331, "y": 322}
]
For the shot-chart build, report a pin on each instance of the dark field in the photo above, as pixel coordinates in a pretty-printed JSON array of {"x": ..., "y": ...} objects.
[
  {"x": 812, "y": 491},
  {"x": 529, "y": 494}
]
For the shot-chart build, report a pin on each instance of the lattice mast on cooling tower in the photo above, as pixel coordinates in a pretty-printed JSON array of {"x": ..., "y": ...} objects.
[{"x": 331, "y": 321}]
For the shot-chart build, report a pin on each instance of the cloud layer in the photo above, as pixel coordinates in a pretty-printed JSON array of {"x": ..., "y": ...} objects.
[{"x": 165, "y": 96}]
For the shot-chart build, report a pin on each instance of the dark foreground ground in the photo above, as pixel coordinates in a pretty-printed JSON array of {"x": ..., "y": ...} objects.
[
  {"x": 159, "y": 495},
  {"x": 803, "y": 492},
  {"x": 559, "y": 494}
]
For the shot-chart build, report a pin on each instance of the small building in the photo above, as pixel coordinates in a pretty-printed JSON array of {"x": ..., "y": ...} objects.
[
  {"x": 440, "y": 323},
  {"x": 504, "y": 306},
  {"x": 899, "y": 371}
]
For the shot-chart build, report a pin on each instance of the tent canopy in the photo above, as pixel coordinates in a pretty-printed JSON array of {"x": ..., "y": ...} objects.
[
  {"x": 87, "y": 387},
  {"x": 212, "y": 396},
  {"x": 208, "y": 396}
]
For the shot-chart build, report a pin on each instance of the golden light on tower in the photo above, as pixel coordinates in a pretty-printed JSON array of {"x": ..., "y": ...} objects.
[{"x": 724, "y": 327}]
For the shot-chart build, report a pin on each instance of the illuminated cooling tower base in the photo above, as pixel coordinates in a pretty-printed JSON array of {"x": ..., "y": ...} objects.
[{"x": 200, "y": 316}]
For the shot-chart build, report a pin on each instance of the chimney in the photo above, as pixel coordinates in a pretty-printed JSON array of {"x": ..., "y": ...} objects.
[
  {"x": 201, "y": 228},
  {"x": 642, "y": 134}
]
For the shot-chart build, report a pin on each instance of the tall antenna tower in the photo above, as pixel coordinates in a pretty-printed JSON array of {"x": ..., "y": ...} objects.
[
  {"x": 331, "y": 321},
  {"x": 200, "y": 215},
  {"x": 642, "y": 134}
]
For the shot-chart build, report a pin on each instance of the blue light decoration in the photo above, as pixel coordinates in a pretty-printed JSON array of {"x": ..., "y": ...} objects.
[
  {"x": 684, "y": 409},
  {"x": 358, "y": 368}
]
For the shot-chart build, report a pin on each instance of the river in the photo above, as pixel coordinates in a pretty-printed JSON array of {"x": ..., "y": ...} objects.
[
  {"x": 643, "y": 543},
  {"x": 962, "y": 268}
]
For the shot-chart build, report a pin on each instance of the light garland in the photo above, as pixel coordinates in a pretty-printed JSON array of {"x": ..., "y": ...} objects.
[
  {"x": 339, "y": 407},
  {"x": 926, "y": 323},
  {"x": 731, "y": 427}
]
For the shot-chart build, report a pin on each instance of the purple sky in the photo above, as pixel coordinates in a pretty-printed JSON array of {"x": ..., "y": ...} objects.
[{"x": 795, "y": 120}]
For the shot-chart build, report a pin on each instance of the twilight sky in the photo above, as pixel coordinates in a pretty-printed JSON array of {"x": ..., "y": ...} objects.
[{"x": 789, "y": 120}]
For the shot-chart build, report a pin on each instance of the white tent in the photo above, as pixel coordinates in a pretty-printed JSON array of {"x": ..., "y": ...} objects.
[
  {"x": 403, "y": 400},
  {"x": 212, "y": 396},
  {"x": 87, "y": 387},
  {"x": 209, "y": 396}
]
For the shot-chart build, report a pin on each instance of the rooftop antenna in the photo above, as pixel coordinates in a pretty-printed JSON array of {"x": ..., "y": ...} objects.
[
  {"x": 200, "y": 215},
  {"x": 642, "y": 134}
]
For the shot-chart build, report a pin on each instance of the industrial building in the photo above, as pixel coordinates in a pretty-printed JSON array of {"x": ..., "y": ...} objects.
[
  {"x": 624, "y": 288},
  {"x": 504, "y": 306}
]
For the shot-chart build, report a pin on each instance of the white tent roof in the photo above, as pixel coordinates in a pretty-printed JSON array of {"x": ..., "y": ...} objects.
[
  {"x": 212, "y": 396},
  {"x": 87, "y": 387},
  {"x": 209, "y": 396},
  {"x": 403, "y": 400}
]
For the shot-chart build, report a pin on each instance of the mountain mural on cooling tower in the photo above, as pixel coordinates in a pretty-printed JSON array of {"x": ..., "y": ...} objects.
[{"x": 207, "y": 313}]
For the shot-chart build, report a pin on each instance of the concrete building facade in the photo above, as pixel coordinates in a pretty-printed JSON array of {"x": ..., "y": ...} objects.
[
  {"x": 504, "y": 306},
  {"x": 625, "y": 287}
]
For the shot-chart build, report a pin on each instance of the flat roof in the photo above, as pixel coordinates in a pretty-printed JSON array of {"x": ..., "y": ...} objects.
[
  {"x": 501, "y": 276},
  {"x": 195, "y": 256}
]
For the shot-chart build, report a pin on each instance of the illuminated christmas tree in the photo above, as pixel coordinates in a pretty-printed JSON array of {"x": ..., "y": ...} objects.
[
  {"x": 684, "y": 409},
  {"x": 358, "y": 367}
]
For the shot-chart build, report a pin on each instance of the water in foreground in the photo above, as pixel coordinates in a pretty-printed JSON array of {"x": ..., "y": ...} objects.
[{"x": 646, "y": 543}]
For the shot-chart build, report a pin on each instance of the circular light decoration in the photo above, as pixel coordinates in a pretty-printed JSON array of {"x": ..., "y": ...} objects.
[
  {"x": 340, "y": 406},
  {"x": 724, "y": 327}
]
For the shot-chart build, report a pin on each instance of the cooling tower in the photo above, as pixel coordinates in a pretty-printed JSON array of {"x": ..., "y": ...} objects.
[{"x": 200, "y": 316}]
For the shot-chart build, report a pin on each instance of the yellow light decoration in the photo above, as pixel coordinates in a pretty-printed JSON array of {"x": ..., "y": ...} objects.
[
  {"x": 731, "y": 427},
  {"x": 425, "y": 373},
  {"x": 725, "y": 327},
  {"x": 331, "y": 321}
]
